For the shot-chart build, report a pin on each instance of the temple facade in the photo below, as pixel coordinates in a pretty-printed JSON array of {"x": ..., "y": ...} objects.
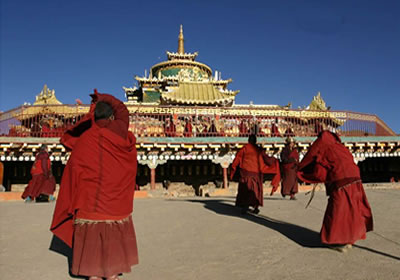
[{"x": 189, "y": 128}]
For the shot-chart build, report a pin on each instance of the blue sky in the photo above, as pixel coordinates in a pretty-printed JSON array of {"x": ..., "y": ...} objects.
[{"x": 276, "y": 52}]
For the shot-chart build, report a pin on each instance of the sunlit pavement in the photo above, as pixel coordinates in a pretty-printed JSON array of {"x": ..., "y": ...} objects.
[{"x": 207, "y": 238}]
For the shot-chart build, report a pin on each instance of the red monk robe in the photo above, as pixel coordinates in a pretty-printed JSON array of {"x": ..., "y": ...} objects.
[
  {"x": 289, "y": 163},
  {"x": 275, "y": 131},
  {"x": 188, "y": 129},
  {"x": 253, "y": 162},
  {"x": 169, "y": 128},
  {"x": 272, "y": 167},
  {"x": 42, "y": 181},
  {"x": 96, "y": 194},
  {"x": 348, "y": 215}
]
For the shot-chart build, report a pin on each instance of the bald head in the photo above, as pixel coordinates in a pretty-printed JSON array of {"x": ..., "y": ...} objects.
[
  {"x": 253, "y": 139},
  {"x": 102, "y": 111}
]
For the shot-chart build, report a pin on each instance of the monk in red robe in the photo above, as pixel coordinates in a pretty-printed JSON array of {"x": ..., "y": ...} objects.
[
  {"x": 42, "y": 182},
  {"x": 95, "y": 203},
  {"x": 169, "y": 127},
  {"x": 348, "y": 215},
  {"x": 274, "y": 130},
  {"x": 188, "y": 128},
  {"x": 243, "y": 128},
  {"x": 253, "y": 162},
  {"x": 272, "y": 167},
  {"x": 289, "y": 163}
]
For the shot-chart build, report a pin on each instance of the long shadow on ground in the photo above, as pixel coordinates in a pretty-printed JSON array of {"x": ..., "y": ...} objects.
[{"x": 302, "y": 236}]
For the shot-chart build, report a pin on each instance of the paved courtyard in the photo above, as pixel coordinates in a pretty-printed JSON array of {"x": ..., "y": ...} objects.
[{"x": 206, "y": 238}]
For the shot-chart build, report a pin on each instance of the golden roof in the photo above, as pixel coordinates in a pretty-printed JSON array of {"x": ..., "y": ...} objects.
[
  {"x": 199, "y": 93},
  {"x": 46, "y": 103},
  {"x": 64, "y": 110}
]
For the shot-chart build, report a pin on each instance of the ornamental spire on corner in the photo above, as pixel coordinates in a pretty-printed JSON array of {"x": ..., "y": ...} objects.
[
  {"x": 181, "y": 48},
  {"x": 46, "y": 96},
  {"x": 318, "y": 103}
]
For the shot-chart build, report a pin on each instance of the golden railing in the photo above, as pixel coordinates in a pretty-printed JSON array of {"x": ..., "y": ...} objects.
[{"x": 173, "y": 121}]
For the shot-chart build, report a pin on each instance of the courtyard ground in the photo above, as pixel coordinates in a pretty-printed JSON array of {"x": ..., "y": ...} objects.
[{"x": 207, "y": 238}]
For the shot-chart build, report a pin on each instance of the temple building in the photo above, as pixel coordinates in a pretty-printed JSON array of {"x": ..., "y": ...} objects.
[
  {"x": 189, "y": 128},
  {"x": 181, "y": 80}
]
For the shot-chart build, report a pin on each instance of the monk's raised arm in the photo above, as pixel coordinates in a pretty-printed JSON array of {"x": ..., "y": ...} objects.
[{"x": 236, "y": 162}]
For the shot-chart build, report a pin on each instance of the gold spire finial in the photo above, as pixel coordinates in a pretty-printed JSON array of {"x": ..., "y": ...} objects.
[{"x": 181, "y": 48}]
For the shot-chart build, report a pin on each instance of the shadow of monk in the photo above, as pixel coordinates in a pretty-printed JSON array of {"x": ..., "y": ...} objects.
[{"x": 302, "y": 236}]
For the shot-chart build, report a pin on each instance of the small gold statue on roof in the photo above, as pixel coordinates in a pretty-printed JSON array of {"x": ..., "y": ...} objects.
[
  {"x": 46, "y": 96},
  {"x": 318, "y": 103}
]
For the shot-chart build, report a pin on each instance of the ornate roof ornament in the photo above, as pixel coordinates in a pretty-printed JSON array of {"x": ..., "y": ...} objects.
[
  {"x": 178, "y": 56},
  {"x": 193, "y": 75},
  {"x": 46, "y": 96},
  {"x": 318, "y": 103}
]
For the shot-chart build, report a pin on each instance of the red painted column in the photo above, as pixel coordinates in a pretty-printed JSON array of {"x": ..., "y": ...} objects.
[
  {"x": 152, "y": 178},
  {"x": 1, "y": 173},
  {"x": 225, "y": 170}
]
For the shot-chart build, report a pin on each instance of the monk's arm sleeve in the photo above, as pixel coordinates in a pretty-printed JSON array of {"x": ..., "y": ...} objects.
[
  {"x": 313, "y": 173},
  {"x": 236, "y": 162},
  {"x": 310, "y": 169},
  {"x": 44, "y": 166},
  {"x": 295, "y": 157},
  {"x": 270, "y": 161},
  {"x": 72, "y": 134}
]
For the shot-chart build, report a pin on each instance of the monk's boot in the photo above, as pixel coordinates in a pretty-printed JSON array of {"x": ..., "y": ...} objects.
[
  {"x": 292, "y": 197},
  {"x": 114, "y": 277},
  {"x": 272, "y": 193},
  {"x": 340, "y": 248},
  {"x": 256, "y": 210},
  {"x": 28, "y": 200}
]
